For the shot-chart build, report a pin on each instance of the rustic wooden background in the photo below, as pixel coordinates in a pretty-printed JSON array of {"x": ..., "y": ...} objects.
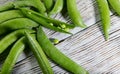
[{"x": 86, "y": 47}]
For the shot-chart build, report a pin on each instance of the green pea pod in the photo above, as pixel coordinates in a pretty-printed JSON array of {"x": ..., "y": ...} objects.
[
  {"x": 74, "y": 13},
  {"x": 4, "y": 16},
  {"x": 57, "y": 7},
  {"x": 39, "y": 54},
  {"x": 50, "y": 20},
  {"x": 6, "y": 6},
  {"x": 12, "y": 57},
  {"x": 48, "y": 4},
  {"x": 25, "y": 3},
  {"x": 42, "y": 21},
  {"x": 35, "y": 3},
  {"x": 53, "y": 53},
  {"x": 18, "y": 23},
  {"x": 41, "y": 7},
  {"x": 115, "y": 5},
  {"x": 105, "y": 16},
  {"x": 11, "y": 38}
]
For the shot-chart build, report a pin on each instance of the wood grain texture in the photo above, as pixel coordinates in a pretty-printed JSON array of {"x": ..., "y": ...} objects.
[{"x": 86, "y": 47}]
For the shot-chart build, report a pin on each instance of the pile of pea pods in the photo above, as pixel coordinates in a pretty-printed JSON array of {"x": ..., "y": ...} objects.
[{"x": 21, "y": 23}]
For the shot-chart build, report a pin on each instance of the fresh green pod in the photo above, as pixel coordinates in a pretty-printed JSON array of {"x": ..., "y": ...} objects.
[
  {"x": 105, "y": 16},
  {"x": 13, "y": 55},
  {"x": 42, "y": 21},
  {"x": 6, "y": 6},
  {"x": 11, "y": 14},
  {"x": 53, "y": 53},
  {"x": 48, "y": 4},
  {"x": 11, "y": 38},
  {"x": 24, "y": 3},
  {"x": 35, "y": 3},
  {"x": 74, "y": 13},
  {"x": 40, "y": 7},
  {"x": 39, "y": 54},
  {"x": 115, "y": 5},
  {"x": 57, "y": 7},
  {"x": 17, "y": 23},
  {"x": 50, "y": 20}
]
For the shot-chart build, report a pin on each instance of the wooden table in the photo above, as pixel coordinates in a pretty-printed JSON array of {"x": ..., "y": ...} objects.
[{"x": 86, "y": 47}]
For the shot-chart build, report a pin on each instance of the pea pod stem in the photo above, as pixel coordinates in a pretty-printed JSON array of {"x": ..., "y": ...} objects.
[
  {"x": 39, "y": 54},
  {"x": 11, "y": 59},
  {"x": 53, "y": 53},
  {"x": 11, "y": 38},
  {"x": 42, "y": 21},
  {"x": 74, "y": 13},
  {"x": 115, "y": 5},
  {"x": 105, "y": 16},
  {"x": 17, "y": 23},
  {"x": 57, "y": 7}
]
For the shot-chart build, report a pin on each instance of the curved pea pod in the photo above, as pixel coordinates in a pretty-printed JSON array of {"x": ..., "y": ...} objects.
[
  {"x": 24, "y": 3},
  {"x": 41, "y": 7},
  {"x": 115, "y": 5},
  {"x": 6, "y": 6},
  {"x": 57, "y": 7},
  {"x": 58, "y": 57},
  {"x": 13, "y": 55},
  {"x": 11, "y": 14},
  {"x": 17, "y": 23},
  {"x": 105, "y": 16},
  {"x": 42, "y": 22},
  {"x": 48, "y": 4},
  {"x": 50, "y": 20},
  {"x": 35, "y": 3},
  {"x": 39, "y": 54},
  {"x": 74, "y": 13},
  {"x": 11, "y": 38}
]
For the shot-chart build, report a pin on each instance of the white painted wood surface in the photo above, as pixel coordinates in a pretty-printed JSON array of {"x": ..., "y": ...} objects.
[{"x": 86, "y": 47}]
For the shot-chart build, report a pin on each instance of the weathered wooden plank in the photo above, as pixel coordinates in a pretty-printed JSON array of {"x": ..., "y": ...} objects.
[{"x": 91, "y": 50}]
